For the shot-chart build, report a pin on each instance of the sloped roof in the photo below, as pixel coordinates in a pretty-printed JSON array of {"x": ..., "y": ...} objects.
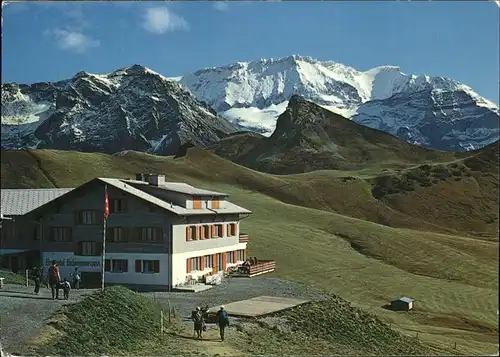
[
  {"x": 22, "y": 201},
  {"x": 404, "y": 298},
  {"x": 15, "y": 202},
  {"x": 181, "y": 188},
  {"x": 230, "y": 208}
]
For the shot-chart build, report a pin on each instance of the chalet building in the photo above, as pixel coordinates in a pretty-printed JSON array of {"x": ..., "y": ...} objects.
[{"x": 158, "y": 234}]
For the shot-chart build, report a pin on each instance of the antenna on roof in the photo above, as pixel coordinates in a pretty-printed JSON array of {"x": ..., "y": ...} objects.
[{"x": 171, "y": 205}]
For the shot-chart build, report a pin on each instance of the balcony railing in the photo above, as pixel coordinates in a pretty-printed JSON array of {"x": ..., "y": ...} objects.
[{"x": 243, "y": 237}]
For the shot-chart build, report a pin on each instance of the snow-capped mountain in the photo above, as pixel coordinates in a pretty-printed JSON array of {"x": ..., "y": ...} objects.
[
  {"x": 132, "y": 108},
  {"x": 434, "y": 112}
]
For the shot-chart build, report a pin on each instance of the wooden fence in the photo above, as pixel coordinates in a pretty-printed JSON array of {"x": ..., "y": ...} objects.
[{"x": 263, "y": 266}]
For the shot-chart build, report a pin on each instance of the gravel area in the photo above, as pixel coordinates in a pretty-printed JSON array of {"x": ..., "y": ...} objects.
[
  {"x": 236, "y": 289},
  {"x": 22, "y": 313}
]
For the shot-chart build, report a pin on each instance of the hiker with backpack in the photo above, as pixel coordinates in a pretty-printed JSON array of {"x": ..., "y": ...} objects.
[
  {"x": 198, "y": 320},
  {"x": 37, "y": 277},
  {"x": 76, "y": 279},
  {"x": 54, "y": 279},
  {"x": 222, "y": 320}
]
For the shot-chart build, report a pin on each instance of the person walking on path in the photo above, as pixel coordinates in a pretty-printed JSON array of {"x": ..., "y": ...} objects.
[
  {"x": 76, "y": 279},
  {"x": 66, "y": 289},
  {"x": 54, "y": 279},
  {"x": 198, "y": 322},
  {"x": 37, "y": 277},
  {"x": 222, "y": 320}
]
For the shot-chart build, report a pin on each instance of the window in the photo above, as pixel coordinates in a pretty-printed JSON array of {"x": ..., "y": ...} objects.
[
  {"x": 215, "y": 204},
  {"x": 208, "y": 261},
  {"x": 116, "y": 234},
  {"x": 194, "y": 264},
  {"x": 150, "y": 234},
  {"x": 88, "y": 249},
  {"x": 206, "y": 231},
  {"x": 147, "y": 266},
  {"x": 116, "y": 265},
  {"x": 230, "y": 257},
  {"x": 196, "y": 202},
  {"x": 217, "y": 231},
  {"x": 88, "y": 217},
  {"x": 61, "y": 234},
  {"x": 117, "y": 205},
  {"x": 192, "y": 233},
  {"x": 231, "y": 229},
  {"x": 241, "y": 255}
]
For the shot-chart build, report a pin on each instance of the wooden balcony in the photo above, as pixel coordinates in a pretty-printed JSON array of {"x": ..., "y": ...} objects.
[{"x": 243, "y": 237}]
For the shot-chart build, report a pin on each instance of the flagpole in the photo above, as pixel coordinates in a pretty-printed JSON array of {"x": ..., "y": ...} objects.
[{"x": 105, "y": 218}]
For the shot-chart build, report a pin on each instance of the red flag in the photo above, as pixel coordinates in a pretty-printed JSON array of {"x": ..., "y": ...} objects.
[{"x": 106, "y": 202}]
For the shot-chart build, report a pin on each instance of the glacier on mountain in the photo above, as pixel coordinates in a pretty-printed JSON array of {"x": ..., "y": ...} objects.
[{"x": 435, "y": 112}]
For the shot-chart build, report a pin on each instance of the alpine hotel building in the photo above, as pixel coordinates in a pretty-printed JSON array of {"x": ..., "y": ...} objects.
[{"x": 158, "y": 234}]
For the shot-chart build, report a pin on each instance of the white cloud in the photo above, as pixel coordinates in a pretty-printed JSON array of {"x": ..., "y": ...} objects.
[
  {"x": 221, "y": 5},
  {"x": 497, "y": 2},
  {"x": 73, "y": 41},
  {"x": 159, "y": 20}
]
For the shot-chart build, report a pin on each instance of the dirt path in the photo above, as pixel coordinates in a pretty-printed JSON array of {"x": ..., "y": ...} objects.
[
  {"x": 23, "y": 314},
  {"x": 210, "y": 344}
]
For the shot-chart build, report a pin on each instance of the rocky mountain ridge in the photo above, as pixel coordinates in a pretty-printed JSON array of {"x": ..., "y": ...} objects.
[
  {"x": 434, "y": 112},
  {"x": 132, "y": 108}
]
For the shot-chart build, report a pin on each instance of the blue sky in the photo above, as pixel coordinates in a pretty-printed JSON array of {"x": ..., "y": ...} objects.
[{"x": 53, "y": 41}]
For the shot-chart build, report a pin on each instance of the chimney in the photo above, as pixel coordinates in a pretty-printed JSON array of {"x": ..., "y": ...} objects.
[{"x": 156, "y": 180}]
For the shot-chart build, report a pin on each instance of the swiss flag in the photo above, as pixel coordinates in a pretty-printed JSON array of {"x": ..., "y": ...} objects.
[{"x": 106, "y": 202}]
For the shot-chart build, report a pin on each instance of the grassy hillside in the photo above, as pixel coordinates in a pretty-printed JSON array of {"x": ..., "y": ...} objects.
[
  {"x": 309, "y": 137},
  {"x": 89, "y": 328},
  {"x": 326, "y": 228}
]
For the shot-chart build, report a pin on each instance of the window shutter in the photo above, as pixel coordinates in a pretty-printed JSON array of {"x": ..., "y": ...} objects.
[
  {"x": 235, "y": 256},
  {"x": 222, "y": 227},
  {"x": 107, "y": 265},
  {"x": 98, "y": 248},
  {"x": 244, "y": 254},
  {"x": 124, "y": 204},
  {"x": 212, "y": 229},
  {"x": 202, "y": 263},
  {"x": 99, "y": 216},
  {"x": 197, "y": 232},
  {"x": 156, "y": 266},
  {"x": 188, "y": 265},
  {"x": 125, "y": 234},
  {"x": 188, "y": 233},
  {"x": 138, "y": 266},
  {"x": 228, "y": 228},
  {"x": 236, "y": 229},
  {"x": 224, "y": 260},
  {"x": 125, "y": 267},
  {"x": 202, "y": 232},
  {"x": 214, "y": 263}
]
